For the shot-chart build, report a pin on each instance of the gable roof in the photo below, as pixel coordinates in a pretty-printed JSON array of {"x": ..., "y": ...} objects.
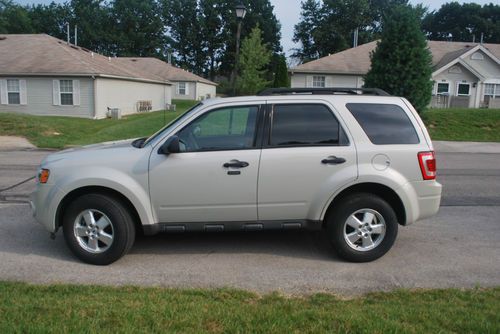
[
  {"x": 161, "y": 68},
  {"x": 41, "y": 54},
  {"x": 356, "y": 60}
]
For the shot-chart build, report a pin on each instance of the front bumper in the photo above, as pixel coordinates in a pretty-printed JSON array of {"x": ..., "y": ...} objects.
[{"x": 44, "y": 202}]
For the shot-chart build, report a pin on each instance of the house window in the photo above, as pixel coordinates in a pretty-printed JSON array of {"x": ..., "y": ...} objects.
[
  {"x": 13, "y": 91},
  {"x": 319, "y": 81},
  {"x": 182, "y": 88},
  {"x": 443, "y": 88},
  {"x": 66, "y": 91},
  {"x": 463, "y": 89},
  {"x": 492, "y": 90}
]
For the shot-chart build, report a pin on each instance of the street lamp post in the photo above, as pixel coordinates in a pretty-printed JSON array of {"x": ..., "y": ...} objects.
[{"x": 241, "y": 11}]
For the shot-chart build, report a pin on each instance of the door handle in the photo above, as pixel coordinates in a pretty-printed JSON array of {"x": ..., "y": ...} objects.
[
  {"x": 333, "y": 160},
  {"x": 236, "y": 164}
]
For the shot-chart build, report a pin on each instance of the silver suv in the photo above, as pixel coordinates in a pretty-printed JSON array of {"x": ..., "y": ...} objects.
[{"x": 355, "y": 163}]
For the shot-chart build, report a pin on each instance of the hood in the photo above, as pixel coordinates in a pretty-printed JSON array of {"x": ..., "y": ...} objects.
[{"x": 100, "y": 149}]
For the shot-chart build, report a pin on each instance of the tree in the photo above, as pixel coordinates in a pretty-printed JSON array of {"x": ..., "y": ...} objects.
[
  {"x": 253, "y": 60},
  {"x": 464, "y": 22},
  {"x": 281, "y": 78},
  {"x": 14, "y": 19},
  {"x": 401, "y": 63},
  {"x": 139, "y": 29},
  {"x": 328, "y": 27}
]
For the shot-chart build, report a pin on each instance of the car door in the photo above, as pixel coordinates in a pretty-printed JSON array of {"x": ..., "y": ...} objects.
[
  {"x": 214, "y": 177},
  {"x": 305, "y": 157}
]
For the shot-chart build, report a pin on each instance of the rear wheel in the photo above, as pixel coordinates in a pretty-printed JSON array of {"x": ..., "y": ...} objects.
[
  {"x": 362, "y": 227},
  {"x": 98, "y": 228}
]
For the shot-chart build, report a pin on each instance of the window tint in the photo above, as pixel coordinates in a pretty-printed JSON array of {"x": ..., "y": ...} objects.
[
  {"x": 304, "y": 124},
  {"x": 384, "y": 123},
  {"x": 222, "y": 129}
]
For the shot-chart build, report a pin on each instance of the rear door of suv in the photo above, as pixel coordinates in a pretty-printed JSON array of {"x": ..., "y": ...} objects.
[{"x": 306, "y": 155}]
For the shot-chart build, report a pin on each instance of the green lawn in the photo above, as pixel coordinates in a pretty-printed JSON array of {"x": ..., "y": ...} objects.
[
  {"x": 463, "y": 124},
  {"x": 59, "y": 132},
  {"x": 74, "y": 309}
]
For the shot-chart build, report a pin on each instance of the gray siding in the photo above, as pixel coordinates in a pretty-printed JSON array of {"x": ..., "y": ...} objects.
[{"x": 40, "y": 99}]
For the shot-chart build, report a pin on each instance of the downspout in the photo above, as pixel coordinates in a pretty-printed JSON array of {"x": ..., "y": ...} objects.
[{"x": 94, "y": 84}]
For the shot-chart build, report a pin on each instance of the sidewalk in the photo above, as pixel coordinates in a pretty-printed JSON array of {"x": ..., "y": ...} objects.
[
  {"x": 9, "y": 143},
  {"x": 466, "y": 147}
]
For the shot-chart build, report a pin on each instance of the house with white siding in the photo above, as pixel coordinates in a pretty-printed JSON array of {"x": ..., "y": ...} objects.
[
  {"x": 186, "y": 85},
  {"x": 43, "y": 75},
  {"x": 464, "y": 74}
]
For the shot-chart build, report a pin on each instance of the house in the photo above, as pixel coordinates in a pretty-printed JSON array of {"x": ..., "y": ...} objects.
[
  {"x": 43, "y": 75},
  {"x": 464, "y": 74},
  {"x": 187, "y": 86}
]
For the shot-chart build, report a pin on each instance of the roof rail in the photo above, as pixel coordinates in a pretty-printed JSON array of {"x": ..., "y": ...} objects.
[{"x": 323, "y": 91}]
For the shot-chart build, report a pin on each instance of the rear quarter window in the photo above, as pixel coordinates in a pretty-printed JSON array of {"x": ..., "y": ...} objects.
[{"x": 384, "y": 124}]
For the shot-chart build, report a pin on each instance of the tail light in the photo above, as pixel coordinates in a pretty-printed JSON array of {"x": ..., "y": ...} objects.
[{"x": 427, "y": 162}]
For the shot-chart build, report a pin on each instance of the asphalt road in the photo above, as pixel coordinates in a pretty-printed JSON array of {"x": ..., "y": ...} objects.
[{"x": 460, "y": 247}]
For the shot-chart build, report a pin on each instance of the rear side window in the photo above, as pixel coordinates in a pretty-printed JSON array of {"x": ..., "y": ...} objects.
[
  {"x": 304, "y": 124},
  {"x": 384, "y": 124}
]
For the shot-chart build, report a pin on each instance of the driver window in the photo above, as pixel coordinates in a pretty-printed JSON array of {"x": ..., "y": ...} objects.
[{"x": 221, "y": 129}]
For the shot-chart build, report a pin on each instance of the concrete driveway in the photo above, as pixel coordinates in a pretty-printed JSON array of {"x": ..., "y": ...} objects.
[{"x": 458, "y": 248}]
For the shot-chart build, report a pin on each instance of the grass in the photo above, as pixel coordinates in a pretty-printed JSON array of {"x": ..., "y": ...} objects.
[
  {"x": 463, "y": 124},
  {"x": 28, "y": 308},
  {"x": 59, "y": 132}
]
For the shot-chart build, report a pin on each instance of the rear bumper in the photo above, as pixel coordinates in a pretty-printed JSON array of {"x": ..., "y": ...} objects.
[{"x": 423, "y": 200}]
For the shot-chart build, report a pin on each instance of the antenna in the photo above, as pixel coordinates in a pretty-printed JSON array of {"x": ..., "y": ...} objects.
[{"x": 76, "y": 34}]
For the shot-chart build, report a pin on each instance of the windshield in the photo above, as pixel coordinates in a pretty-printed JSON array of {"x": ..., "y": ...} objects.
[{"x": 173, "y": 123}]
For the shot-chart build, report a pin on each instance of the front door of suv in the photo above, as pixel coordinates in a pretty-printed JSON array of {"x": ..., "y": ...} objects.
[
  {"x": 214, "y": 177},
  {"x": 306, "y": 157}
]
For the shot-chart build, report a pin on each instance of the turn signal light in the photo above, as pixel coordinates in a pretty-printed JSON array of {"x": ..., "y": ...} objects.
[
  {"x": 427, "y": 162},
  {"x": 43, "y": 176}
]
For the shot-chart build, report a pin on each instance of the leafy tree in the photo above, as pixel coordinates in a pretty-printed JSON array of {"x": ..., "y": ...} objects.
[
  {"x": 51, "y": 19},
  {"x": 281, "y": 78},
  {"x": 401, "y": 63},
  {"x": 14, "y": 19},
  {"x": 463, "y": 22},
  {"x": 253, "y": 60},
  {"x": 328, "y": 27},
  {"x": 139, "y": 29}
]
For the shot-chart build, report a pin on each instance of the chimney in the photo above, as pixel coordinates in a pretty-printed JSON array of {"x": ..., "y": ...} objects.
[
  {"x": 76, "y": 34},
  {"x": 482, "y": 37},
  {"x": 67, "y": 32},
  {"x": 356, "y": 35}
]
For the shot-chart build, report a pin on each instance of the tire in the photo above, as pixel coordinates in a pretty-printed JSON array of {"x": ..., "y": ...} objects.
[
  {"x": 349, "y": 234},
  {"x": 98, "y": 228}
]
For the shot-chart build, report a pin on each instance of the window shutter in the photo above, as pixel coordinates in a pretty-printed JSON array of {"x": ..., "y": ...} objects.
[
  {"x": 22, "y": 92},
  {"x": 309, "y": 82},
  {"x": 56, "y": 96},
  {"x": 187, "y": 88},
  {"x": 3, "y": 92},
  {"x": 76, "y": 92}
]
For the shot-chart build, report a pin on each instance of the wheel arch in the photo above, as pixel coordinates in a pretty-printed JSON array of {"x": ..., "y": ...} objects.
[
  {"x": 72, "y": 195},
  {"x": 383, "y": 191}
]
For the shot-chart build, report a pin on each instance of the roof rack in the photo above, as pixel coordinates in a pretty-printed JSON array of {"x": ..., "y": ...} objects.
[{"x": 323, "y": 91}]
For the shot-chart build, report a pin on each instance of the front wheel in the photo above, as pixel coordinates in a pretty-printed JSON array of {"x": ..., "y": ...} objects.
[
  {"x": 362, "y": 227},
  {"x": 98, "y": 228}
]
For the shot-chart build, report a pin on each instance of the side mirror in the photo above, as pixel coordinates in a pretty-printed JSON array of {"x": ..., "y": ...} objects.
[{"x": 171, "y": 145}]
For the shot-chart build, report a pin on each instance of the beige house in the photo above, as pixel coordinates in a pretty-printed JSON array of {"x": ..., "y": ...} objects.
[
  {"x": 43, "y": 75},
  {"x": 187, "y": 86},
  {"x": 464, "y": 74}
]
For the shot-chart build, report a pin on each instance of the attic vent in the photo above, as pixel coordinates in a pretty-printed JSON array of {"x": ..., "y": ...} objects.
[
  {"x": 75, "y": 47},
  {"x": 477, "y": 56},
  {"x": 133, "y": 59},
  {"x": 2, "y": 38}
]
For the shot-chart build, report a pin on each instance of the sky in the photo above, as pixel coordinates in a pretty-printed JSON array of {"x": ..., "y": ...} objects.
[{"x": 288, "y": 13}]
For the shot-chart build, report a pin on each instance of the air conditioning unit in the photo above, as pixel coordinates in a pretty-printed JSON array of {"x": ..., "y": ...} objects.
[{"x": 115, "y": 113}]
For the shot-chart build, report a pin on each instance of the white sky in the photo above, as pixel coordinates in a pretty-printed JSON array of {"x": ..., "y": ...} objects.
[{"x": 288, "y": 13}]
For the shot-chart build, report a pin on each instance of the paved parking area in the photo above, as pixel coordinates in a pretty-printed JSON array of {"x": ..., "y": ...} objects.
[{"x": 457, "y": 248}]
